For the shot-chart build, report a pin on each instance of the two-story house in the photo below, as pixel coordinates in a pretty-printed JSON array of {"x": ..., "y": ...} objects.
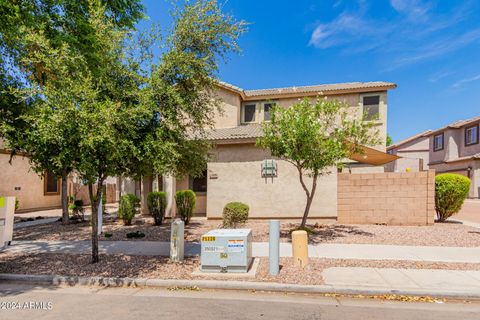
[
  {"x": 454, "y": 148},
  {"x": 236, "y": 167},
  {"x": 414, "y": 153}
]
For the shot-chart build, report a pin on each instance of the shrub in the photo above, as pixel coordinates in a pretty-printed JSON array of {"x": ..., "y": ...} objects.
[
  {"x": 128, "y": 208},
  {"x": 135, "y": 235},
  {"x": 450, "y": 192},
  {"x": 185, "y": 200},
  {"x": 157, "y": 203},
  {"x": 235, "y": 213},
  {"x": 17, "y": 204}
]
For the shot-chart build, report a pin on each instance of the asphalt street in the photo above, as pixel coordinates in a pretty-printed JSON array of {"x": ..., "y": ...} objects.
[{"x": 21, "y": 301}]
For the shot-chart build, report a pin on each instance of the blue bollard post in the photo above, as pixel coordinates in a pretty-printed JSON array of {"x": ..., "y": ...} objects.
[{"x": 274, "y": 247}]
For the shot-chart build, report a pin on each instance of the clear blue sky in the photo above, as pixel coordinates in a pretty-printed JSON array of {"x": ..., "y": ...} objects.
[{"x": 430, "y": 49}]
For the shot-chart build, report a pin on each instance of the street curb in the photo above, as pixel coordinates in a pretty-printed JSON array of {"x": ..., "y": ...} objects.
[{"x": 231, "y": 285}]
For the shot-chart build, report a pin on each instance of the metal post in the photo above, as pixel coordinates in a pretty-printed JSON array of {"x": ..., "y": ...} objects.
[
  {"x": 177, "y": 241},
  {"x": 100, "y": 216},
  {"x": 274, "y": 247}
]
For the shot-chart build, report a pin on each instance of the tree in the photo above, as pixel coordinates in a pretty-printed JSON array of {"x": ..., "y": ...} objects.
[
  {"x": 26, "y": 64},
  {"x": 389, "y": 140},
  {"x": 315, "y": 137}
]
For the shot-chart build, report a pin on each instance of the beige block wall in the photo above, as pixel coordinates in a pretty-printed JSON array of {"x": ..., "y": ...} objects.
[
  {"x": 282, "y": 197},
  {"x": 19, "y": 174},
  {"x": 387, "y": 198}
]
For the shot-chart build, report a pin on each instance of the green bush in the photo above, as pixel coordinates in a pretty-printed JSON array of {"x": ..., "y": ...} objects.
[
  {"x": 450, "y": 192},
  {"x": 157, "y": 203},
  {"x": 128, "y": 208},
  {"x": 135, "y": 235},
  {"x": 185, "y": 200},
  {"x": 235, "y": 213},
  {"x": 17, "y": 204}
]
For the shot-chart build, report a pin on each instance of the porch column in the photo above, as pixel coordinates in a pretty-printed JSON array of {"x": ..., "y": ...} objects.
[
  {"x": 146, "y": 184},
  {"x": 170, "y": 186}
]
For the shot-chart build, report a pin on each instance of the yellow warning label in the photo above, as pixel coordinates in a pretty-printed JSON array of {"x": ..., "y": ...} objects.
[
  {"x": 2, "y": 202},
  {"x": 208, "y": 238}
]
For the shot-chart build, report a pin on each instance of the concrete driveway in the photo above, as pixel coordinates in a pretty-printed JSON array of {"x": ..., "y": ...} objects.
[{"x": 470, "y": 211}]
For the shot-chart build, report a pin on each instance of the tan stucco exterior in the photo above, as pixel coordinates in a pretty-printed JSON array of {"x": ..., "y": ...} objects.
[
  {"x": 234, "y": 175},
  {"x": 18, "y": 180},
  {"x": 454, "y": 157},
  {"x": 415, "y": 155}
]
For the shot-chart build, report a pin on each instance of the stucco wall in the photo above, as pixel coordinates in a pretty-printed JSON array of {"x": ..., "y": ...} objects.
[
  {"x": 234, "y": 175},
  {"x": 355, "y": 101},
  {"x": 230, "y": 115},
  {"x": 201, "y": 198},
  {"x": 410, "y": 152},
  {"x": 281, "y": 198},
  {"x": 31, "y": 194},
  {"x": 468, "y": 150},
  {"x": 387, "y": 198}
]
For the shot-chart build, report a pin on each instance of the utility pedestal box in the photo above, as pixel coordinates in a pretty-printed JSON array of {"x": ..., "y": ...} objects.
[
  {"x": 226, "y": 250},
  {"x": 7, "y": 209}
]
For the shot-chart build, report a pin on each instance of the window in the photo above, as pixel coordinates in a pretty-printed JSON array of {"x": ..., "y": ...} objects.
[
  {"x": 266, "y": 111},
  {"x": 249, "y": 111},
  {"x": 371, "y": 108},
  {"x": 438, "y": 142},
  {"x": 199, "y": 184},
  {"x": 51, "y": 184},
  {"x": 471, "y": 135}
]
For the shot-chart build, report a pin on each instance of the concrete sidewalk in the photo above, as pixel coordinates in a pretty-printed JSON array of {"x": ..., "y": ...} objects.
[
  {"x": 260, "y": 249},
  {"x": 414, "y": 281}
]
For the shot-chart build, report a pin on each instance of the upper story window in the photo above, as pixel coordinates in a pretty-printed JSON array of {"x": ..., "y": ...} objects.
[
  {"x": 371, "y": 108},
  {"x": 249, "y": 111},
  {"x": 51, "y": 185},
  {"x": 254, "y": 112},
  {"x": 471, "y": 135},
  {"x": 267, "y": 107},
  {"x": 438, "y": 142}
]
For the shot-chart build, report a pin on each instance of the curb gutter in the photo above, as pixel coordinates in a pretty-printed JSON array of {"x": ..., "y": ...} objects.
[{"x": 234, "y": 285}]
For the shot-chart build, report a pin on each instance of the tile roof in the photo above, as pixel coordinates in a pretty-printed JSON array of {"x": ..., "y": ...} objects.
[
  {"x": 247, "y": 131},
  {"x": 319, "y": 88},
  {"x": 399, "y": 143},
  {"x": 316, "y": 89},
  {"x": 458, "y": 124}
]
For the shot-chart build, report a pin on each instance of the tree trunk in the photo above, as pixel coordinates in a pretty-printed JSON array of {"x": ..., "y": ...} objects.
[
  {"x": 310, "y": 194},
  {"x": 94, "y": 221},
  {"x": 65, "y": 218}
]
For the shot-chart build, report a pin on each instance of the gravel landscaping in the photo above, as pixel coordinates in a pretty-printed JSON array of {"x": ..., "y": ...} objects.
[
  {"x": 440, "y": 234},
  {"x": 162, "y": 268}
]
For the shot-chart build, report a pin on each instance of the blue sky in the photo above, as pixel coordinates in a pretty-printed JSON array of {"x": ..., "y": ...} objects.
[{"x": 430, "y": 49}]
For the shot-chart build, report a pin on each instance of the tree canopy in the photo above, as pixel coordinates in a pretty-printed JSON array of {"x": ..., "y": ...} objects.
[{"x": 316, "y": 137}]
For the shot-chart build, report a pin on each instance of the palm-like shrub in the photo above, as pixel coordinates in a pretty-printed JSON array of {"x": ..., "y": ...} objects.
[
  {"x": 185, "y": 201},
  {"x": 450, "y": 192},
  {"x": 157, "y": 203}
]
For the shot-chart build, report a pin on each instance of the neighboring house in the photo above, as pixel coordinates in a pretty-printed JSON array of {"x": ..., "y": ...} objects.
[
  {"x": 17, "y": 179},
  {"x": 414, "y": 153},
  {"x": 234, "y": 172},
  {"x": 454, "y": 148}
]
